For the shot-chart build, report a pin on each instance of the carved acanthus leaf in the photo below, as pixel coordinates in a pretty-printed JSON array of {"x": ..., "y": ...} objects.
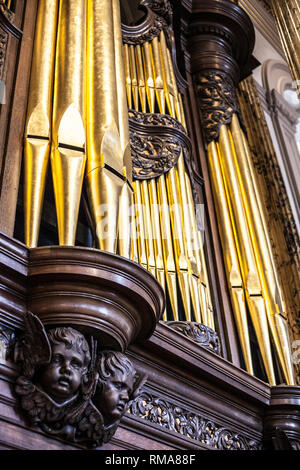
[
  {"x": 189, "y": 424},
  {"x": 217, "y": 101}
]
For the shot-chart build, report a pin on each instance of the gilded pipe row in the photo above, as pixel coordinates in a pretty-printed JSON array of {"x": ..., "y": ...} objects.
[
  {"x": 251, "y": 272},
  {"x": 287, "y": 16},
  {"x": 77, "y": 118},
  {"x": 169, "y": 242}
]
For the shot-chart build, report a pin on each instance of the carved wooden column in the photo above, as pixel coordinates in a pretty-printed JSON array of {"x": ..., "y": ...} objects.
[{"x": 282, "y": 420}]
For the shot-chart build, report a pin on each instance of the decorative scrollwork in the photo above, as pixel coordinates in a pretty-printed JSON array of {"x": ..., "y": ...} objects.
[
  {"x": 189, "y": 424},
  {"x": 157, "y": 141},
  {"x": 201, "y": 334},
  {"x": 217, "y": 101},
  {"x": 153, "y": 156}
]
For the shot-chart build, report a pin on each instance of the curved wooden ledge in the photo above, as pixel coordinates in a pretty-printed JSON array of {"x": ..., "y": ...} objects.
[{"x": 103, "y": 294}]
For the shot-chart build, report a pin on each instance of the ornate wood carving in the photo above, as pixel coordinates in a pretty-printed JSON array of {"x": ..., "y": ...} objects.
[
  {"x": 217, "y": 100},
  {"x": 156, "y": 143},
  {"x": 201, "y": 334},
  {"x": 69, "y": 389},
  {"x": 187, "y": 423}
]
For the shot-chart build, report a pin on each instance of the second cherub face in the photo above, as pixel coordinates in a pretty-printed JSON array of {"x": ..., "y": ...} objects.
[
  {"x": 62, "y": 378},
  {"x": 116, "y": 393}
]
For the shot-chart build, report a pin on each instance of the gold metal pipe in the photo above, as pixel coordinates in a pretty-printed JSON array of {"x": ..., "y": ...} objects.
[
  {"x": 178, "y": 239},
  {"x": 39, "y": 117},
  {"x": 125, "y": 196},
  {"x": 230, "y": 255},
  {"x": 167, "y": 246},
  {"x": 174, "y": 86},
  {"x": 105, "y": 156},
  {"x": 141, "y": 78},
  {"x": 140, "y": 228},
  {"x": 246, "y": 255},
  {"x": 148, "y": 227},
  {"x": 134, "y": 255},
  {"x": 287, "y": 17},
  {"x": 134, "y": 78},
  {"x": 168, "y": 84},
  {"x": 68, "y": 148},
  {"x": 266, "y": 269},
  {"x": 149, "y": 75},
  {"x": 157, "y": 239},
  {"x": 158, "y": 76},
  {"x": 127, "y": 70}
]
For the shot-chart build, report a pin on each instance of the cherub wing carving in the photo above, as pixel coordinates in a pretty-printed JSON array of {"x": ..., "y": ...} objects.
[{"x": 34, "y": 349}]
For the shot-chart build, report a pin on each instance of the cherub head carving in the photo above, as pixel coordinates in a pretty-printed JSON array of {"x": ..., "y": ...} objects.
[
  {"x": 118, "y": 383},
  {"x": 70, "y": 357}
]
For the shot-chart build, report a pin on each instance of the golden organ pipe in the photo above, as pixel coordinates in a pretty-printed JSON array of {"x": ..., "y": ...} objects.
[
  {"x": 149, "y": 75},
  {"x": 68, "y": 149},
  {"x": 157, "y": 242},
  {"x": 230, "y": 254},
  {"x": 39, "y": 117},
  {"x": 105, "y": 156},
  {"x": 167, "y": 245},
  {"x": 158, "y": 76},
  {"x": 140, "y": 228},
  {"x": 141, "y": 78},
  {"x": 127, "y": 74},
  {"x": 269, "y": 281},
  {"x": 247, "y": 259},
  {"x": 148, "y": 227},
  {"x": 134, "y": 78},
  {"x": 126, "y": 196}
]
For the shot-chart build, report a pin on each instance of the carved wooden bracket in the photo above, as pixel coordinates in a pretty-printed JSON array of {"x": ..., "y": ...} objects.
[
  {"x": 217, "y": 100},
  {"x": 157, "y": 141}
]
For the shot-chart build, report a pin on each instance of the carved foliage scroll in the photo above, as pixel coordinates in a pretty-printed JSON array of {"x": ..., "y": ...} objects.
[
  {"x": 156, "y": 143},
  {"x": 189, "y": 424},
  {"x": 217, "y": 100}
]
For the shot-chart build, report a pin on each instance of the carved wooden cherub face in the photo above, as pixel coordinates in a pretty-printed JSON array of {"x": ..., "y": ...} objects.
[
  {"x": 62, "y": 377},
  {"x": 116, "y": 395},
  {"x": 116, "y": 385}
]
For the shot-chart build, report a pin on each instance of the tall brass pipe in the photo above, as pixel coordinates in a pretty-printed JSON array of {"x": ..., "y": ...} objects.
[
  {"x": 148, "y": 227},
  {"x": 105, "y": 157},
  {"x": 141, "y": 78},
  {"x": 149, "y": 75},
  {"x": 167, "y": 245},
  {"x": 126, "y": 196},
  {"x": 39, "y": 117},
  {"x": 68, "y": 149},
  {"x": 248, "y": 265},
  {"x": 287, "y": 16},
  {"x": 230, "y": 255},
  {"x": 261, "y": 244}
]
